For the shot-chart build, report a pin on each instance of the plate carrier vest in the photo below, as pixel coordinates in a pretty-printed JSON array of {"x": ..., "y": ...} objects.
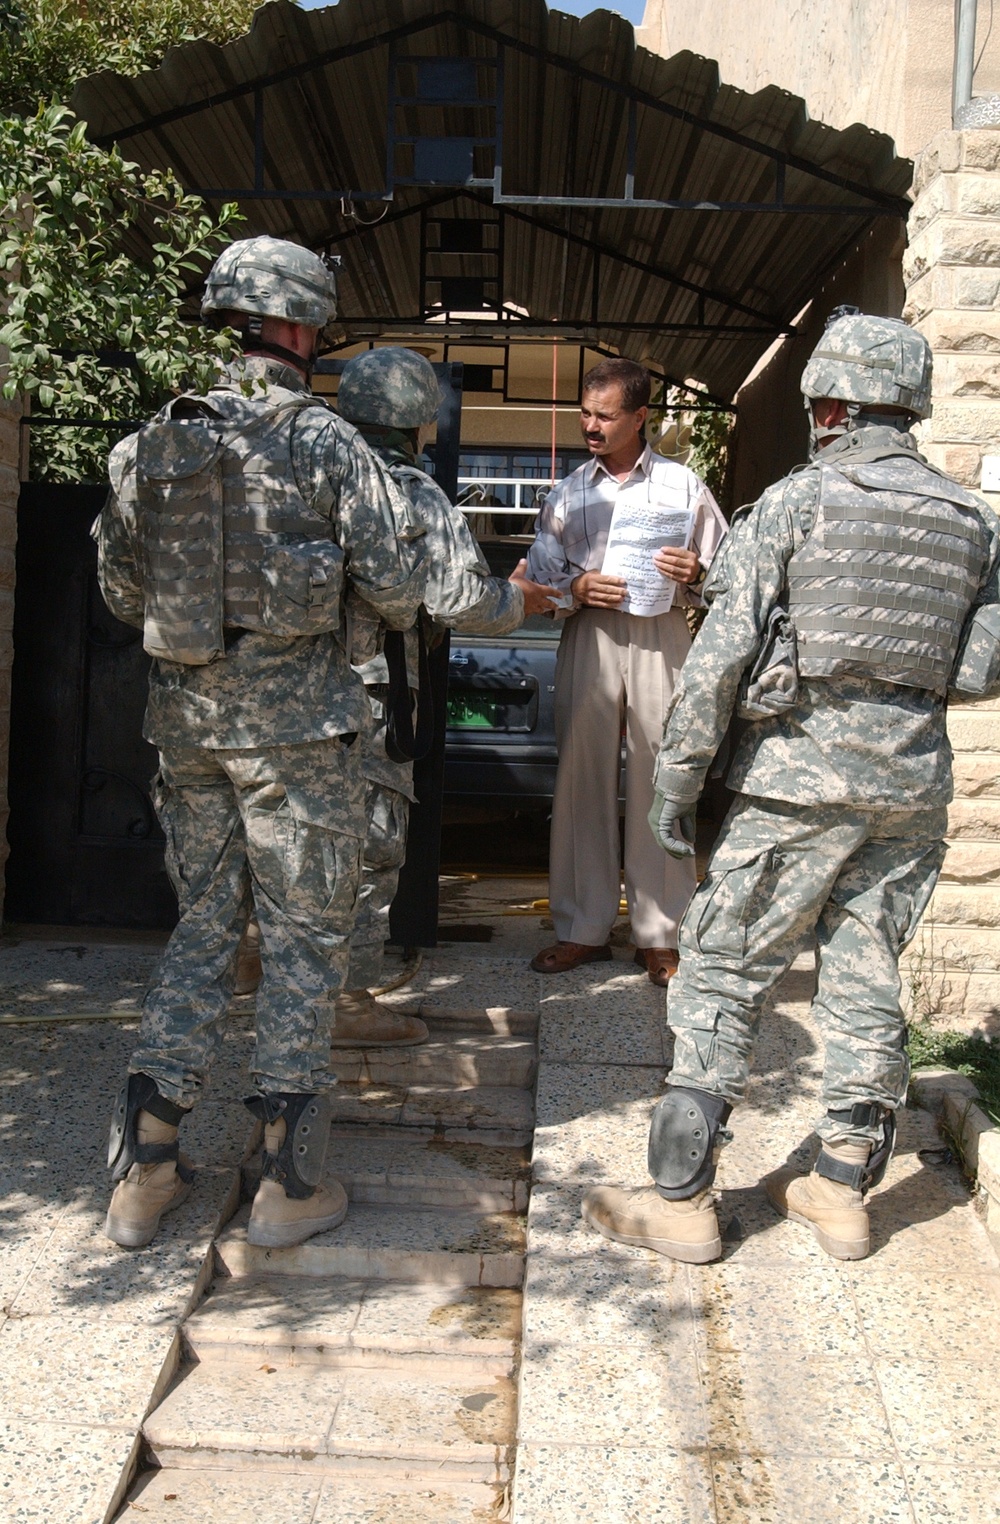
[
  {"x": 227, "y": 541},
  {"x": 885, "y": 580}
]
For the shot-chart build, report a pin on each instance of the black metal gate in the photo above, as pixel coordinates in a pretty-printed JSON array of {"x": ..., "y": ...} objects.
[{"x": 85, "y": 845}]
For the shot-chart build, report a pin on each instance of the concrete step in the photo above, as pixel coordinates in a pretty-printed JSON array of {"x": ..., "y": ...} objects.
[
  {"x": 451, "y": 1058},
  {"x": 308, "y": 1419},
  {"x": 500, "y": 1019},
  {"x": 485, "y": 1114},
  {"x": 347, "y": 1323},
  {"x": 188, "y": 1496},
  {"x": 414, "y": 1170},
  {"x": 418, "y": 1245},
  {"x": 430, "y": 1172}
]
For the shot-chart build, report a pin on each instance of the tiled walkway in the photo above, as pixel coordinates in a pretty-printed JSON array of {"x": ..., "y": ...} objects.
[{"x": 776, "y": 1387}]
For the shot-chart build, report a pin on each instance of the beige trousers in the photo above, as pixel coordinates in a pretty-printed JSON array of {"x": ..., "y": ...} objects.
[{"x": 614, "y": 668}]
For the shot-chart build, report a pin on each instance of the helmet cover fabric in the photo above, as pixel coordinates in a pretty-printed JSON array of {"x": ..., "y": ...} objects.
[
  {"x": 393, "y": 387},
  {"x": 270, "y": 277},
  {"x": 871, "y": 360}
]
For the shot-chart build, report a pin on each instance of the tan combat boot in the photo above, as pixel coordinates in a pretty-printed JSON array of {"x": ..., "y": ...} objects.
[
  {"x": 360, "y": 1022},
  {"x": 278, "y": 1221},
  {"x": 685, "y": 1230},
  {"x": 249, "y": 970},
  {"x": 835, "y": 1212},
  {"x": 148, "y": 1190}
]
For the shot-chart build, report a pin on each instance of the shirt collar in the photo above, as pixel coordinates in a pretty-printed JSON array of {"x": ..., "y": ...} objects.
[{"x": 642, "y": 467}]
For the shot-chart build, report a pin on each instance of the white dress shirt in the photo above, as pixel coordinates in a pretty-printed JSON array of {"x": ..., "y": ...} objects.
[{"x": 572, "y": 531}]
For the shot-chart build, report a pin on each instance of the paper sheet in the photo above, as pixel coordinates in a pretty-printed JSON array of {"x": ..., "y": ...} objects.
[{"x": 637, "y": 530}]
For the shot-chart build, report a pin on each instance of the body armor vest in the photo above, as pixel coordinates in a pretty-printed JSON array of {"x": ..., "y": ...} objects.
[
  {"x": 227, "y": 540},
  {"x": 883, "y": 584}
]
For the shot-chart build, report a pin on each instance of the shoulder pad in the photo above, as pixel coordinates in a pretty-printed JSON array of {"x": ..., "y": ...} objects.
[{"x": 122, "y": 460}]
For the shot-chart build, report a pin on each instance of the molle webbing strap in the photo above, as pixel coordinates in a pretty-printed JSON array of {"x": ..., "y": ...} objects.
[
  {"x": 891, "y": 542},
  {"x": 834, "y": 571},
  {"x": 891, "y": 662},
  {"x": 915, "y": 515},
  {"x": 933, "y": 605}
]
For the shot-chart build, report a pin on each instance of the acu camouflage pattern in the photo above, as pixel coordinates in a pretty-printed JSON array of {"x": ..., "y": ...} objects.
[
  {"x": 299, "y": 689},
  {"x": 393, "y": 387},
  {"x": 260, "y": 792},
  {"x": 849, "y": 739},
  {"x": 276, "y": 830},
  {"x": 874, "y": 360},
  {"x": 461, "y": 594},
  {"x": 780, "y": 873},
  {"x": 893, "y": 562},
  {"x": 838, "y": 830},
  {"x": 270, "y": 277}
]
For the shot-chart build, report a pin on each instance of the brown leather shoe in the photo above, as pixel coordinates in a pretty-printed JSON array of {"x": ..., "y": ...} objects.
[
  {"x": 563, "y": 956},
  {"x": 660, "y": 963}
]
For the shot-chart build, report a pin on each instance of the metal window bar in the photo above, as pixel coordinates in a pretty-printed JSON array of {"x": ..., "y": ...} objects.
[{"x": 515, "y": 510}]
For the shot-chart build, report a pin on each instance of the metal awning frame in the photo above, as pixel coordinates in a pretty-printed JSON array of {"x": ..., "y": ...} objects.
[
  {"x": 871, "y": 203},
  {"x": 762, "y": 323}
]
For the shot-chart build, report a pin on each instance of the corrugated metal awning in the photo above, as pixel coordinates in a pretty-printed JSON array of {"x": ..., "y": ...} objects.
[{"x": 532, "y": 172}]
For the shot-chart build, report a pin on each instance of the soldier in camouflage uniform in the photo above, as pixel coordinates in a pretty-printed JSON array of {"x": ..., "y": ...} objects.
[
  {"x": 237, "y": 524},
  {"x": 848, "y": 601},
  {"x": 392, "y": 396}
]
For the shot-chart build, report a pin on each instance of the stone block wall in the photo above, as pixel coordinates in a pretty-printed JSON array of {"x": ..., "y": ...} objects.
[
  {"x": 10, "y": 484},
  {"x": 952, "y": 274}
]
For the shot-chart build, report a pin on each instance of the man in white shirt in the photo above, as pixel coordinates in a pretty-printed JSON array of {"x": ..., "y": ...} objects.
[{"x": 615, "y": 670}]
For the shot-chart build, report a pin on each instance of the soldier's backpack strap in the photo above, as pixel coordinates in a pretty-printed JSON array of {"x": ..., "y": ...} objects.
[{"x": 403, "y": 742}]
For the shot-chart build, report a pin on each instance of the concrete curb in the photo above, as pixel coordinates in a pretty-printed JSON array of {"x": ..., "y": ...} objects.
[{"x": 953, "y": 1097}]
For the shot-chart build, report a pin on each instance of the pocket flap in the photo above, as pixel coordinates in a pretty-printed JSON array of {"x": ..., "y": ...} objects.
[{"x": 172, "y": 451}]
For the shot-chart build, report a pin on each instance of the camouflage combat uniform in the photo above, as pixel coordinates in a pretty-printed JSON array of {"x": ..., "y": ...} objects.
[
  {"x": 837, "y": 829},
  {"x": 261, "y": 791},
  {"x": 461, "y": 595}
]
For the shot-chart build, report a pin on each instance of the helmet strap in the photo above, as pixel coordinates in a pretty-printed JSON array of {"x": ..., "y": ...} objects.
[{"x": 252, "y": 340}]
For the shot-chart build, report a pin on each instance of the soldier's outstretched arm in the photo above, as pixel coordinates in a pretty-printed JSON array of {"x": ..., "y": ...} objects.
[
  {"x": 383, "y": 535},
  {"x": 743, "y": 587},
  {"x": 462, "y": 592},
  {"x": 117, "y": 564}
]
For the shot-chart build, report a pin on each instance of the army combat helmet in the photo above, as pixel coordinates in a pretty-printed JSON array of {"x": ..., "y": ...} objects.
[
  {"x": 868, "y": 362},
  {"x": 393, "y": 387},
  {"x": 270, "y": 277}
]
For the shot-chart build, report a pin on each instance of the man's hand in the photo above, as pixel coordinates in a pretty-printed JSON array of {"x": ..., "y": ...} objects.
[
  {"x": 598, "y": 591},
  {"x": 673, "y": 825},
  {"x": 680, "y": 565},
  {"x": 538, "y": 599}
]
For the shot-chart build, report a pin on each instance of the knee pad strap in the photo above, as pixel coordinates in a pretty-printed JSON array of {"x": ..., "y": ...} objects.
[
  {"x": 139, "y": 1093},
  {"x": 861, "y": 1177},
  {"x": 298, "y": 1164}
]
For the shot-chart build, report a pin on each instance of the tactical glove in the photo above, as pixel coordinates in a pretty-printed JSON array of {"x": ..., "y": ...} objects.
[{"x": 673, "y": 825}]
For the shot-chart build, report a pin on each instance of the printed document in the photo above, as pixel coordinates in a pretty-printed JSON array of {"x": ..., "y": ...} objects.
[{"x": 637, "y": 530}]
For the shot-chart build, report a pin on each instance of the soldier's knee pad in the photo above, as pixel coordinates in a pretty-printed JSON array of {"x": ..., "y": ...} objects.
[
  {"x": 683, "y": 1134},
  {"x": 298, "y": 1163},
  {"x": 139, "y": 1093}
]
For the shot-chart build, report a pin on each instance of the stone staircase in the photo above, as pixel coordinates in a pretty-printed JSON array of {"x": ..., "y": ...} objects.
[{"x": 369, "y": 1374}]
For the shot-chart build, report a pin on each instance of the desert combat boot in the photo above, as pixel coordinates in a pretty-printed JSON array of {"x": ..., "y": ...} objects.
[
  {"x": 684, "y": 1230},
  {"x": 835, "y": 1212},
  {"x": 148, "y": 1190},
  {"x": 278, "y": 1221},
  {"x": 361, "y": 1022}
]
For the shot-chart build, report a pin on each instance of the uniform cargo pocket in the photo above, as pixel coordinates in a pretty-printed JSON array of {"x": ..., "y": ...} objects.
[
  {"x": 732, "y": 901},
  {"x": 301, "y": 586}
]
